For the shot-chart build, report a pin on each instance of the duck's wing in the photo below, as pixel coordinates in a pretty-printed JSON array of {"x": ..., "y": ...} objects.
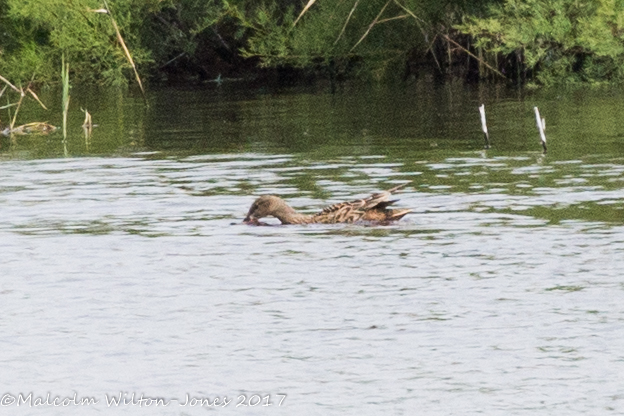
[{"x": 356, "y": 210}]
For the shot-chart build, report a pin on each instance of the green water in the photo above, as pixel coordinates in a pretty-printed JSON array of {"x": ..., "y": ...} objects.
[{"x": 426, "y": 131}]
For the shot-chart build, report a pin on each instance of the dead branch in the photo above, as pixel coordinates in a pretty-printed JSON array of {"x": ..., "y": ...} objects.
[
  {"x": 347, "y": 22},
  {"x": 305, "y": 9},
  {"x": 373, "y": 23}
]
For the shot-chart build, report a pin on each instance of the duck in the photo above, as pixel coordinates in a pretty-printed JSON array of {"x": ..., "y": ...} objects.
[{"x": 373, "y": 209}]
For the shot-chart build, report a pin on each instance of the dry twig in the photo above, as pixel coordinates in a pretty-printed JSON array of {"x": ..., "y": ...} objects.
[
  {"x": 123, "y": 46},
  {"x": 35, "y": 97},
  {"x": 419, "y": 20},
  {"x": 373, "y": 23},
  {"x": 305, "y": 9},
  {"x": 6, "y": 81},
  {"x": 347, "y": 22}
]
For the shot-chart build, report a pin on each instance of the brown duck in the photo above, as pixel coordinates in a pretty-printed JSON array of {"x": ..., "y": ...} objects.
[{"x": 373, "y": 209}]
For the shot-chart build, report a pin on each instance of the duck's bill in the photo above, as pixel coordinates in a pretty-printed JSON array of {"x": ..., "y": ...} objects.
[{"x": 254, "y": 221}]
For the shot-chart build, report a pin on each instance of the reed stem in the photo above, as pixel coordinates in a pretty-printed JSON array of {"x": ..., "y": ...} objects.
[
  {"x": 305, "y": 9},
  {"x": 19, "y": 104},
  {"x": 541, "y": 126},
  {"x": 65, "y": 78},
  {"x": 484, "y": 126},
  {"x": 126, "y": 51}
]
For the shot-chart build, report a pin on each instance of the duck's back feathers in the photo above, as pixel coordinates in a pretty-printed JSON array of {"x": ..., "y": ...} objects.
[{"x": 373, "y": 208}]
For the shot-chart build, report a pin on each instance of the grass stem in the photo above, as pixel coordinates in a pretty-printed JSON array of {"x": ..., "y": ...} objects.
[{"x": 65, "y": 78}]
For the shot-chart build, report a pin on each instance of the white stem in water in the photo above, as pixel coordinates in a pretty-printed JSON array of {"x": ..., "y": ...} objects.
[
  {"x": 483, "y": 123},
  {"x": 541, "y": 126},
  {"x": 484, "y": 126}
]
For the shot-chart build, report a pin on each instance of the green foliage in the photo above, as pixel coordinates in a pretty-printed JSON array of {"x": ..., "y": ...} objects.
[
  {"x": 379, "y": 34},
  {"x": 176, "y": 28},
  {"x": 318, "y": 37},
  {"x": 43, "y": 30},
  {"x": 270, "y": 33},
  {"x": 552, "y": 40},
  {"x": 561, "y": 41}
]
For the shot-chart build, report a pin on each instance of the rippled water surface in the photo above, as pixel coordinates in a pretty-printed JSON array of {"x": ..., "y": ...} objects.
[{"x": 124, "y": 267}]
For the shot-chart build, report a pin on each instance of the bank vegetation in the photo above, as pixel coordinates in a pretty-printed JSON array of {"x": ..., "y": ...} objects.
[{"x": 542, "y": 42}]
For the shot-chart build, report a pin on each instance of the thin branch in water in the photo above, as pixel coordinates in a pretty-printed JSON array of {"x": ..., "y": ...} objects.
[
  {"x": 484, "y": 126},
  {"x": 19, "y": 104},
  {"x": 373, "y": 23},
  {"x": 347, "y": 22},
  {"x": 305, "y": 9},
  {"x": 541, "y": 126}
]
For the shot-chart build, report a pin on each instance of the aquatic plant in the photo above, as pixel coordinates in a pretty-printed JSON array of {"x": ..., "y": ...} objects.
[{"x": 23, "y": 93}]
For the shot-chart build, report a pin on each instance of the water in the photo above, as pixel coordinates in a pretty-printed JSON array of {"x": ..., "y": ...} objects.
[{"x": 125, "y": 269}]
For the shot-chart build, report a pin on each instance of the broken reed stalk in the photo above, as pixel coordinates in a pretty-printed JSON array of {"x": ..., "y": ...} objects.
[
  {"x": 125, "y": 48},
  {"x": 22, "y": 92},
  {"x": 22, "y": 95},
  {"x": 65, "y": 78},
  {"x": 88, "y": 123},
  {"x": 484, "y": 126},
  {"x": 87, "y": 126},
  {"x": 6, "y": 81},
  {"x": 541, "y": 126},
  {"x": 1, "y": 94},
  {"x": 305, "y": 9},
  {"x": 8, "y": 106},
  {"x": 373, "y": 23},
  {"x": 19, "y": 103},
  {"x": 347, "y": 22},
  {"x": 35, "y": 127},
  {"x": 35, "y": 97}
]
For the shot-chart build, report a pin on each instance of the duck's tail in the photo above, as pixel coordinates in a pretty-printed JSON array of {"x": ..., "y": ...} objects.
[
  {"x": 396, "y": 188},
  {"x": 397, "y": 214}
]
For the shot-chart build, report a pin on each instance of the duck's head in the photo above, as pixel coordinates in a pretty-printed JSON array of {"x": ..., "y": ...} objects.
[{"x": 265, "y": 206}]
